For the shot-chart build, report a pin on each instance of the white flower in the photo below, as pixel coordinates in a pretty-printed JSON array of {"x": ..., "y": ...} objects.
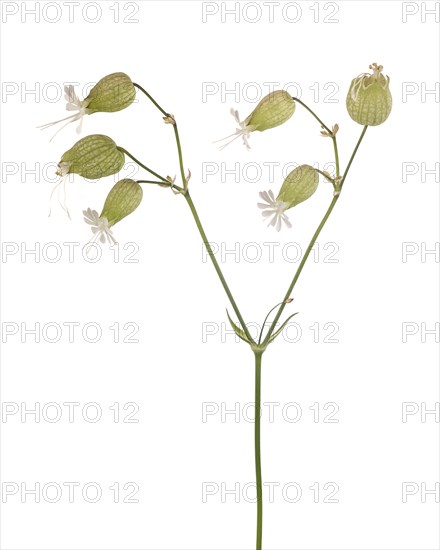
[
  {"x": 244, "y": 130},
  {"x": 273, "y": 208},
  {"x": 100, "y": 226},
  {"x": 73, "y": 104}
]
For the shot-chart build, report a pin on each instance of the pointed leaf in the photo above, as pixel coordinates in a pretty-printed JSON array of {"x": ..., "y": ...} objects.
[
  {"x": 238, "y": 331},
  {"x": 278, "y": 332}
]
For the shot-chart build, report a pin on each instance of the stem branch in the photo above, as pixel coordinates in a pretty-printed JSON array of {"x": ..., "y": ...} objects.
[
  {"x": 312, "y": 242},
  {"x": 215, "y": 263},
  {"x": 142, "y": 165}
]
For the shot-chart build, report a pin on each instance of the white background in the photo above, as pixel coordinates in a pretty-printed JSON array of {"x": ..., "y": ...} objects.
[{"x": 172, "y": 293}]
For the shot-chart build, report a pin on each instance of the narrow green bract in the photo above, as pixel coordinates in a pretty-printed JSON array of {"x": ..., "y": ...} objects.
[
  {"x": 273, "y": 110},
  {"x": 112, "y": 93},
  {"x": 299, "y": 185},
  {"x": 123, "y": 199},
  {"x": 93, "y": 157}
]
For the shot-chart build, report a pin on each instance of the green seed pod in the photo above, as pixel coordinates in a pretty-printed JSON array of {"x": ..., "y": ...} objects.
[
  {"x": 299, "y": 185},
  {"x": 369, "y": 99},
  {"x": 273, "y": 110},
  {"x": 92, "y": 157},
  {"x": 112, "y": 93},
  {"x": 122, "y": 200}
]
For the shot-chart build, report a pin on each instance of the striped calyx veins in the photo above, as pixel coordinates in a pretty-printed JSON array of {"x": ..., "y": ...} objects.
[{"x": 92, "y": 157}]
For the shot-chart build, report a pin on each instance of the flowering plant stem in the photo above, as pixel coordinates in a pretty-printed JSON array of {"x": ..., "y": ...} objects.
[
  {"x": 315, "y": 235},
  {"x": 257, "y": 435},
  {"x": 260, "y": 347},
  {"x": 215, "y": 263}
]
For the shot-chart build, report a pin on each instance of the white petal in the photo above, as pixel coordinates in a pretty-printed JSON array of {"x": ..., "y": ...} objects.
[
  {"x": 69, "y": 92},
  {"x": 235, "y": 114},
  {"x": 286, "y": 221},
  {"x": 70, "y": 96}
]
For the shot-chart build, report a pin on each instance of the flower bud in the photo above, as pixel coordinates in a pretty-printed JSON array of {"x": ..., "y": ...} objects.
[
  {"x": 123, "y": 199},
  {"x": 273, "y": 110},
  {"x": 112, "y": 93},
  {"x": 369, "y": 99},
  {"x": 92, "y": 157},
  {"x": 299, "y": 185}
]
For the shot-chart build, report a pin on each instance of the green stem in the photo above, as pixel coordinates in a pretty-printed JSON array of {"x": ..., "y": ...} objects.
[
  {"x": 332, "y": 135},
  {"x": 176, "y": 134},
  {"x": 142, "y": 165},
  {"x": 312, "y": 242},
  {"x": 156, "y": 182},
  {"x": 314, "y": 115},
  {"x": 151, "y": 99},
  {"x": 300, "y": 268},
  {"x": 215, "y": 263},
  {"x": 353, "y": 155},
  {"x": 258, "y": 356},
  {"x": 330, "y": 179},
  {"x": 179, "y": 151},
  {"x": 335, "y": 148}
]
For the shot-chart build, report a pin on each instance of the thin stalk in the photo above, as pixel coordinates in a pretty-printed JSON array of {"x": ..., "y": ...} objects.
[
  {"x": 179, "y": 151},
  {"x": 353, "y": 155},
  {"x": 332, "y": 135},
  {"x": 156, "y": 182},
  {"x": 215, "y": 263},
  {"x": 335, "y": 148},
  {"x": 176, "y": 133},
  {"x": 141, "y": 165},
  {"x": 314, "y": 115},
  {"x": 151, "y": 99},
  {"x": 327, "y": 177},
  {"x": 258, "y": 356},
  {"x": 312, "y": 242}
]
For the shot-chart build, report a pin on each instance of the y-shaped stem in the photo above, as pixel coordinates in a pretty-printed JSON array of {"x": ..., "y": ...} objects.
[{"x": 312, "y": 242}]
